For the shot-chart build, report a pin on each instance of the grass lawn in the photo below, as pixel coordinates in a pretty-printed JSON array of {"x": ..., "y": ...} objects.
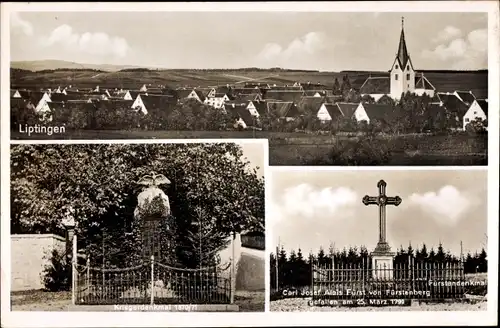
[{"x": 38, "y": 300}]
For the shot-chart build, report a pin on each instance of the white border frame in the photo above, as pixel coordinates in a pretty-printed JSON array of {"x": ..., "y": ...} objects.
[{"x": 67, "y": 319}]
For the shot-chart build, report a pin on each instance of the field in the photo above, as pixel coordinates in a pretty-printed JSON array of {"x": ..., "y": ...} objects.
[
  {"x": 310, "y": 149},
  {"x": 38, "y": 300},
  {"x": 443, "y": 81}
]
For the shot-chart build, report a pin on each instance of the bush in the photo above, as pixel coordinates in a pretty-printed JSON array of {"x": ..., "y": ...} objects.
[{"x": 57, "y": 274}]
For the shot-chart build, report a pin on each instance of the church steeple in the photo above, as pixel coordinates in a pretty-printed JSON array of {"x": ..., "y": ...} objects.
[{"x": 402, "y": 50}]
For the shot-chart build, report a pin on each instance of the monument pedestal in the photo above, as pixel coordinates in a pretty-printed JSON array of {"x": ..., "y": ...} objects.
[{"x": 382, "y": 262}]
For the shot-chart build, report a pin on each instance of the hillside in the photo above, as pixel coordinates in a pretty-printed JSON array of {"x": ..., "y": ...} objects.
[
  {"x": 39, "y": 65},
  {"x": 443, "y": 81}
]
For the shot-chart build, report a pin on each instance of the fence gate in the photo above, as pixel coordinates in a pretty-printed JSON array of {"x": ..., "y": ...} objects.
[
  {"x": 405, "y": 281},
  {"x": 152, "y": 283}
]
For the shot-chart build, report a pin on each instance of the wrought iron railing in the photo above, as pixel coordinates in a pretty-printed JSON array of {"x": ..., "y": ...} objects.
[
  {"x": 413, "y": 280},
  {"x": 153, "y": 283}
]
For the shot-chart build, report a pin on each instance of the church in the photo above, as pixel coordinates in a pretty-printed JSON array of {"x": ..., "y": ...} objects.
[{"x": 402, "y": 77}]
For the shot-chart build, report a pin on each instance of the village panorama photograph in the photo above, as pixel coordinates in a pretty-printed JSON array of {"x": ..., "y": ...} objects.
[{"x": 325, "y": 88}]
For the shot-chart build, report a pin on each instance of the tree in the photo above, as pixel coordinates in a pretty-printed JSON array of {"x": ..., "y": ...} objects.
[
  {"x": 97, "y": 182},
  {"x": 336, "y": 87}
]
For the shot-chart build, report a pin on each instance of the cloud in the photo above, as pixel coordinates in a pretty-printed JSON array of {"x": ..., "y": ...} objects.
[
  {"x": 448, "y": 33},
  {"x": 99, "y": 43},
  {"x": 306, "y": 201},
  {"x": 17, "y": 22},
  {"x": 304, "y": 46},
  {"x": 447, "y": 205},
  {"x": 464, "y": 53}
]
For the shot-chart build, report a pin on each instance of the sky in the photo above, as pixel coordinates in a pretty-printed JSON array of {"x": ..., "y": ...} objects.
[
  {"x": 254, "y": 154},
  {"x": 309, "y": 209},
  {"x": 325, "y": 41}
]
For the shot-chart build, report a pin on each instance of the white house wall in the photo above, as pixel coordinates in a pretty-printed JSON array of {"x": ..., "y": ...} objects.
[
  {"x": 361, "y": 115},
  {"x": 475, "y": 111},
  {"x": 323, "y": 114}
]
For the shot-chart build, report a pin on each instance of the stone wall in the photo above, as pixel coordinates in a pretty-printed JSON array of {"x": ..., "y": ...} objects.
[{"x": 29, "y": 255}]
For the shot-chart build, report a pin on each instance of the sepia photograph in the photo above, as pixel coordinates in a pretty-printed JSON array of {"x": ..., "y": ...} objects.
[
  {"x": 379, "y": 240},
  {"x": 325, "y": 88},
  {"x": 138, "y": 227}
]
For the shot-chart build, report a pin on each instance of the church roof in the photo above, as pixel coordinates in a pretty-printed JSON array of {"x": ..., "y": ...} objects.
[
  {"x": 453, "y": 103},
  {"x": 376, "y": 85},
  {"x": 402, "y": 55},
  {"x": 421, "y": 82}
]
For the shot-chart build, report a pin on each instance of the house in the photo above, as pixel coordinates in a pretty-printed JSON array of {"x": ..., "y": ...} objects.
[
  {"x": 15, "y": 94},
  {"x": 369, "y": 112},
  {"x": 284, "y": 95},
  {"x": 478, "y": 109},
  {"x": 423, "y": 86},
  {"x": 37, "y": 100},
  {"x": 310, "y": 104},
  {"x": 257, "y": 108},
  {"x": 144, "y": 88},
  {"x": 455, "y": 106},
  {"x": 328, "y": 111},
  {"x": 286, "y": 110},
  {"x": 376, "y": 87},
  {"x": 147, "y": 103},
  {"x": 217, "y": 100},
  {"x": 224, "y": 89},
  {"x": 243, "y": 117},
  {"x": 467, "y": 97},
  {"x": 197, "y": 95},
  {"x": 315, "y": 93}
]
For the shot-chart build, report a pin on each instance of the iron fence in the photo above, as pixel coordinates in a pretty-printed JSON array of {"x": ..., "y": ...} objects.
[
  {"x": 411, "y": 280},
  {"x": 153, "y": 283}
]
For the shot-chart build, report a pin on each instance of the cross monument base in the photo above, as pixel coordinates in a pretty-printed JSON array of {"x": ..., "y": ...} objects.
[{"x": 382, "y": 262}]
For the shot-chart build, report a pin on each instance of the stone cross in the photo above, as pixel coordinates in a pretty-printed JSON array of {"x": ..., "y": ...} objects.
[{"x": 382, "y": 200}]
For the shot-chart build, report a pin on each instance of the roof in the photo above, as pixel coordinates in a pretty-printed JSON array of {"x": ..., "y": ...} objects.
[
  {"x": 256, "y": 85},
  {"x": 333, "y": 99},
  {"x": 200, "y": 94},
  {"x": 17, "y": 103},
  {"x": 218, "y": 95},
  {"x": 158, "y": 102},
  {"x": 310, "y": 93},
  {"x": 285, "y": 88},
  {"x": 223, "y": 89},
  {"x": 261, "y": 107},
  {"x": 483, "y": 104},
  {"x": 466, "y": 96},
  {"x": 246, "y": 91},
  {"x": 247, "y": 97},
  {"x": 402, "y": 55},
  {"x": 378, "y": 111},
  {"x": 453, "y": 103},
  {"x": 244, "y": 114},
  {"x": 313, "y": 86},
  {"x": 421, "y": 82},
  {"x": 376, "y": 85},
  {"x": 333, "y": 110},
  {"x": 293, "y": 96},
  {"x": 282, "y": 108},
  {"x": 57, "y": 97},
  {"x": 310, "y": 104},
  {"x": 183, "y": 93},
  {"x": 347, "y": 109}
]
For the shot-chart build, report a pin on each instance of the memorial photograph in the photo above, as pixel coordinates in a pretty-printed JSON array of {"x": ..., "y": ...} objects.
[
  {"x": 387, "y": 240},
  {"x": 326, "y": 88},
  {"x": 138, "y": 226}
]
